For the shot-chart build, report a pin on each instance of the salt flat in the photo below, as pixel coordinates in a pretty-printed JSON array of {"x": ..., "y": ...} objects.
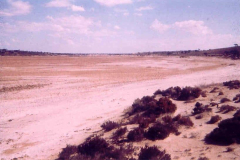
[{"x": 47, "y": 102}]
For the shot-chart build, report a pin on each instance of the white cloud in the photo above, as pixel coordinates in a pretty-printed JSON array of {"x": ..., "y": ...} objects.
[
  {"x": 65, "y": 4},
  {"x": 123, "y": 11},
  {"x": 117, "y": 27},
  {"x": 77, "y": 8},
  {"x": 111, "y": 3},
  {"x": 191, "y": 26},
  {"x": 70, "y": 42},
  {"x": 59, "y": 3},
  {"x": 158, "y": 26},
  {"x": 194, "y": 27},
  {"x": 144, "y": 8},
  {"x": 61, "y": 27},
  {"x": 16, "y": 8},
  {"x": 138, "y": 14},
  {"x": 68, "y": 24}
]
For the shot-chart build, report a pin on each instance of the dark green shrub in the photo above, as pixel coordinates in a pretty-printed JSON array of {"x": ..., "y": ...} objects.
[
  {"x": 200, "y": 116},
  {"x": 223, "y": 100},
  {"x": 109, "y": 125},
  {"x": 214, "y": 119},
  {"x": 167, "y": 119},
  {"x": 200, "y": 108},
  {"x": 235, "y": 84},
  {"x": 227, "y": 132},
  {"x": 214, "y": 90},
  {"x": 163, "y": 105},
  {"x": 96, "y": 148},
  {"x": 119, "y": 132},
  {"x": 173, "y": 92},
  {"x": 237, "y": 98},
  {"x": 142, "y": 120},
  {"x": 220, "y": 93},
  {"x": 185, "y": 121},
  {"x": 153, "y": 153},
  {"x": 237, "y": 114},
  {"x": 67, "y": 152},
  {"x": 157, "y": 92},
  {"x": 93, "y": 146},
  {"x": 160, "y": 131},
  {"x": 136, "y": 135},
  {"x": 189, "y": 93},
  {"x": 143, "y": 104},
  {"x": 227, "y": 108},
  {"x": 203, "y": 158}
]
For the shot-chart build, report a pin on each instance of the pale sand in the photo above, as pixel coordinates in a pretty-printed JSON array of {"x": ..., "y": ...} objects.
[{"x": 77, "y": 94}]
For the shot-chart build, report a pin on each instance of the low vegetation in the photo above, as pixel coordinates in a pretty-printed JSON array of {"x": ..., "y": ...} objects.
[
  {"x": 236, "y": 99},
  {"x": 149, "y": 107},
  {"x": 109, "y": 125},
  {"x": 223, "y": 100},
  {"x": 200, "y": 108},
  {"x": 152, "y": 119},
  {"x": 214, "y": 119},
  {"x": 67, "y": 152},
  {"x": 227, "y": 132},
  {"x": 136, "y": 135},
  {"x": 153, "y": 153},
  {"x": 160, "y": 131},
  {"x": 119, "y": 132},
  {"x": 235, "y": 84},
  {"x": 214, "y": 90},
  {"x": 184, "y": 94},
  {"x": 226, "y": 108},
  {"x": 237, "y": 114}
]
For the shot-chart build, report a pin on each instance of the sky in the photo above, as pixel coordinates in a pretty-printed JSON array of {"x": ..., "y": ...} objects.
[{"x": 118, "y": 26}]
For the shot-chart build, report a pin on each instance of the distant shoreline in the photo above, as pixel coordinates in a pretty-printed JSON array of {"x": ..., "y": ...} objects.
[{"x": 229, "y": 52}]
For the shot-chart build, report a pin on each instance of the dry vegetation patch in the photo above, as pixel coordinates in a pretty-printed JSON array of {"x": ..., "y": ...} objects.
[
  {"x": 21, "y": 87},
  {"x": 150, "y": 118},
  {"x": 227, "y": 132}
]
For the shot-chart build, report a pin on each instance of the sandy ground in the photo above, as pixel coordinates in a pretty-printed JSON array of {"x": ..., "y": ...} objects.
[{"x": 49, "y": 102}]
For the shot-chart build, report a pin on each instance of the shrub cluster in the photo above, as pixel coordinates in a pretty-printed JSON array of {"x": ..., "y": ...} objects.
[
  {"x": 235, "y": 84},
  {"x": 226, "y": 108},
  {"x": 98, "y": 148},
  {"x": 67, "y": 152},
  {"x": 173, "y": 92},
  {"x": 143, "y": 104},
  {"x": 149, "y": 107},
  {"x": 237, "y": 114},
  {"x": 214, "y": 90},
  {"x": 136, "y": 135},
  {"x": 220, "y": 93},
  {"x": 223, "y": 100},
  {"x": 237, "y": 98},
  {"x": 142, "y": 121},
  {"x": 153, "y": 153},
  {"x": 186, "y": 121},
  {"x": 200, "y": 108},
  {"x": 187, "y": 93},
  {"x": 227, "y": 132},
  {"x": 160, "y": 131},
  {"x": 119, "y": 132},
  {"x": 109, "y": 125},
  {"x": 214, "y": 119}
]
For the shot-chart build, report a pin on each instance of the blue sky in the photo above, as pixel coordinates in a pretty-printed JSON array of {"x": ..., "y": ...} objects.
[{"x": 118, "y": 26}]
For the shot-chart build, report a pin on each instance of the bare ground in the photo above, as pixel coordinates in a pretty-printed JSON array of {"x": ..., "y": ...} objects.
[{"x": 47, "y": 102}]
